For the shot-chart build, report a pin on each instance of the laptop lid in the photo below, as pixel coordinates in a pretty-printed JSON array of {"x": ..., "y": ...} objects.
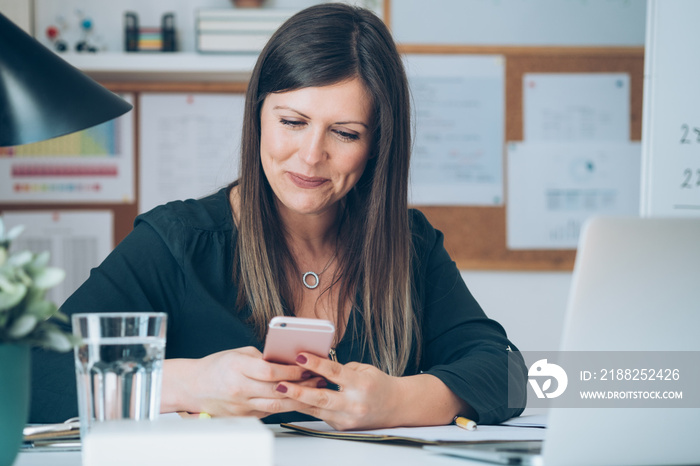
[{"x": 635, "y": 287}]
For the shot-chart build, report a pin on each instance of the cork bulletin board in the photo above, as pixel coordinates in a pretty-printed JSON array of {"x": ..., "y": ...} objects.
[{"x": 475, "y": 237}]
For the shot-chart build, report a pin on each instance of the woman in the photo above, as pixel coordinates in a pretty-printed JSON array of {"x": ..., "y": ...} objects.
[{"x": 323, "y": 189}]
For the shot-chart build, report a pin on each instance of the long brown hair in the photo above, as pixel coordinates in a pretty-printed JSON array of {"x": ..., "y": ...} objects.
[{"x": 319, "y": 46}]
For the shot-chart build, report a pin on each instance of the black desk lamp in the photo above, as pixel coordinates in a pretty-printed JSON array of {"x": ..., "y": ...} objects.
[{"x": 42, "y": 96}]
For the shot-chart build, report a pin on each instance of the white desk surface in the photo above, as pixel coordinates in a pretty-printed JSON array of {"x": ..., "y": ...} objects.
[{"x": 297, "y": 450}]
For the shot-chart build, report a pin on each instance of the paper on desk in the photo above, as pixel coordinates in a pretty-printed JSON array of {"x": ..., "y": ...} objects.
[{"x": 421, "y": 435}]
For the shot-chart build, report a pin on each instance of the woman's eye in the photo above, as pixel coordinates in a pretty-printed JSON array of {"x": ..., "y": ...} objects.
[
  {"x": 292, "y": 123},
  {"x": 345, "y": 136}
]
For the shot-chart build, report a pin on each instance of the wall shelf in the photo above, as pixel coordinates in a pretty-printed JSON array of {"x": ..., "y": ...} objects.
[{"x": 163, "y": 66}]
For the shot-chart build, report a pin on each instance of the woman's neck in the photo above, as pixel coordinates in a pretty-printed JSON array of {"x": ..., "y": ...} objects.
[{"x": 313, "y": 234}]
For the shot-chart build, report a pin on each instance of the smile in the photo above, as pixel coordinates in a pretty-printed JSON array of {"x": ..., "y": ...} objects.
[{"x": 306, "y": 182}]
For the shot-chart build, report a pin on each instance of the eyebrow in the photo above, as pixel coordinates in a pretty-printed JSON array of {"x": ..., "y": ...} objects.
[{"x": 284, "y": 107}]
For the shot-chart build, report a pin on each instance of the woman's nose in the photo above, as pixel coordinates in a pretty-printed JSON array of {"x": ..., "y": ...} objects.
[{"x": 314, "y": 149}]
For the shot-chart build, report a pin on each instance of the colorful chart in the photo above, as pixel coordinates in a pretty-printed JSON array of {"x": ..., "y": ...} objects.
[
  {"x": 98, "y": 141},
  {"x": 93, "y": 165}
]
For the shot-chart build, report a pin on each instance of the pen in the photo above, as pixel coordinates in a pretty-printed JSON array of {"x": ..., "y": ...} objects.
[{"x": 464, "y": 423}]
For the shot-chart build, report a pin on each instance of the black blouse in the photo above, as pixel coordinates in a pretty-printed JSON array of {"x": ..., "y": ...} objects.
[{"x": 178, "y": 260}]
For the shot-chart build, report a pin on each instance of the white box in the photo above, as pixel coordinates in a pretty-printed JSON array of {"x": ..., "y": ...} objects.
[
  {"x": 242, "y": 441},
  {"x": 234, "y": 42}
]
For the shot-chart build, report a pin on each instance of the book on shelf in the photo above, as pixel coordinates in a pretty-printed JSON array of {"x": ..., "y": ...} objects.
[
  {"x": 237, "y": 30},
  {"x": 232, "y": 42}
]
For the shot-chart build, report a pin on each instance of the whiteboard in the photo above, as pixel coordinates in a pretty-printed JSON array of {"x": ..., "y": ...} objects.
[{"x": 671, "y": 115}]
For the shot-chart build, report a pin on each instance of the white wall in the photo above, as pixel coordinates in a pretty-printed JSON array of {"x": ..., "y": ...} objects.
[
  {"x": 18, "y": 11},
  {"x": 530, "y": 305},
  {"x": 532, "y": 22}
]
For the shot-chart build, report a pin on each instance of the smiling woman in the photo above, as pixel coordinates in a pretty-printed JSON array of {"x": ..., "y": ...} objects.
[
  {"x": 315, "y": 143},
  {"x": 316, "y": 226}
]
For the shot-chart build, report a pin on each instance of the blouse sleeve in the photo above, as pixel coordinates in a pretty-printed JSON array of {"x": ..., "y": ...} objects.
[
  {"x": 466, "y": 350},
  {"x": 140, "y": 275}
]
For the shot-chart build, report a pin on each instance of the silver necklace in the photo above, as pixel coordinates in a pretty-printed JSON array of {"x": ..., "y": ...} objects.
[{"x": 315, "y": 275}]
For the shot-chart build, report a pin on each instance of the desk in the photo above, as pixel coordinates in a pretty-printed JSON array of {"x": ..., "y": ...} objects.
[{"x": 297, "y": 450}]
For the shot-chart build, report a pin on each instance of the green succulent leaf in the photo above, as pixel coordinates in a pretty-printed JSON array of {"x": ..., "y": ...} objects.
[
  {"x": 49, "y": 277},
  {"x": 41, "y": 309},
  {"x": 61, "y": 316},
  {"x": 12, "y": 295},
  {"x": 14, "y": 232},
  {"x": 40, "y": 261},
  {"x": 57, "y": 340},
  {"x": 20, "y": 259},
  {"x": 6, "y": 282},
  {"x": 23, "y": 326},
  {"x": 23, "y": 277},
  {"x": 25, "y": 315}
]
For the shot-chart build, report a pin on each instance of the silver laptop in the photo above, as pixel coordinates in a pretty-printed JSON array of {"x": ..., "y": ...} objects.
[{"x": 635, "y": 287}]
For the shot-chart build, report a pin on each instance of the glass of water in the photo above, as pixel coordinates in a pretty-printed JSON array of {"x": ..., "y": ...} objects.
[{"x": 119, "y": 365}]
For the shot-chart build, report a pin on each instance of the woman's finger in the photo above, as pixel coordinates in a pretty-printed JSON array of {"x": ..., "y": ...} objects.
[
  {"x": 311, "y": 396},
  {"x": 259, "y": 369},
  {"x": 330, "y": 370},
  {"x": 269, "y": 406}
]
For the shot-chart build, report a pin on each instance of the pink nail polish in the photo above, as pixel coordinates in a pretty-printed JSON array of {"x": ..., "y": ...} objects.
[
  {"x": 306, "y": 375},
  {"x": 281, "y": 388},
  {"x": 301, "y": 359},
  {"x": 321, "y": 384}
]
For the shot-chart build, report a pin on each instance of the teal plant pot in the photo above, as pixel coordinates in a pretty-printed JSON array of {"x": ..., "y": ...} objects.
[{"x": 14, "y": 399}]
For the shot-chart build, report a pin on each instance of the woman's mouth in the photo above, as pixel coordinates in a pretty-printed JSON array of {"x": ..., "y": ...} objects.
[{"x": 306, "y": 182}]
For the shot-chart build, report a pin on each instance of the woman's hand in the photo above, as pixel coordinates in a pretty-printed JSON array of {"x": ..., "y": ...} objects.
[
  {"x": 367, "y": 397},
  {"x": 230, "y": 383}
]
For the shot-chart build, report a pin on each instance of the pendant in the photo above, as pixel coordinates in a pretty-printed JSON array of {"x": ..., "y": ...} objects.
[{"x": 306, "y": 284}]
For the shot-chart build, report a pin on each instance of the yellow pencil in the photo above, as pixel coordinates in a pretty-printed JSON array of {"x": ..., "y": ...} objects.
[{"x": 464, "y": 423}]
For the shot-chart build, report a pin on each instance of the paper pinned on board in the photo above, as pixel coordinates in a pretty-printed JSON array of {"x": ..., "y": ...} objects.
[
  {"x": 459, "y": 125},
  {"x": 95, "y": 165},
  {"x": 576, "y": 107},
  {"x": 554, "y": 187},
  {"x": 76, "y": 240},
  {"x": 189, "y": 145}
]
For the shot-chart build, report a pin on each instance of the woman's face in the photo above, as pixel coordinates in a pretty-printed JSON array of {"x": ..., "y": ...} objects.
[{"x": 314, "y": 144}]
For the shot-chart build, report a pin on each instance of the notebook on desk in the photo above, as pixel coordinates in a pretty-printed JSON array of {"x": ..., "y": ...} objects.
[{"x": 634, "y": 288}]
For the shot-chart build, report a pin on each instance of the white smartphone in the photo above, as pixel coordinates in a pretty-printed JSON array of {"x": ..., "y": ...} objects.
[{"x": 289, "y": 336}]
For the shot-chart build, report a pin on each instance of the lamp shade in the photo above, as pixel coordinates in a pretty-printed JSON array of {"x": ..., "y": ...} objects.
[{"x": 42, "y": 96}]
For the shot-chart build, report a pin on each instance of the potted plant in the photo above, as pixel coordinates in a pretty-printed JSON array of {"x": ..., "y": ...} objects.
[{"x": 26, "y": 320}]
